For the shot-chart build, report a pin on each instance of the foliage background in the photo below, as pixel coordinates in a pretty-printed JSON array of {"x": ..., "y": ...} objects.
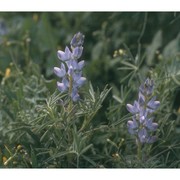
[{"x": 121, "y": 49}]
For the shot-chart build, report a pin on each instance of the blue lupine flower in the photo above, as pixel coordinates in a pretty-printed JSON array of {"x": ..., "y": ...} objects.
[
  {"x": 142, "y": 123},
  {"x": 71, "y": 70},
  {"x": 133, "y": 108},
  {"x": 150, "y": 125},
  {"x": 132, "y": 126},
  {"x": 77, "y": 40},
  {"x": 77, "y": 52},
  {"x": 64, "y": 56},
  {"x": 142, "y": 135},
  {"x": 60, "y": 72},
  {"x": 152, "y": 105},
  {"x": 147, "y": 87}
]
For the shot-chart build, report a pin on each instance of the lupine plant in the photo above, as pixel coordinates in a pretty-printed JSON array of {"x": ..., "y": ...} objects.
[
  {"x": 61, "y": 128},
  {"x": 142, "y": 125},
  {"x": 54, "y": 112}
]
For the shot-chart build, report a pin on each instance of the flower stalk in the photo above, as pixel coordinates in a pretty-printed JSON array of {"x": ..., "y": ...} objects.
[
  {"x": 139, "y": 149},
  {"x": 142, "y": 125}
]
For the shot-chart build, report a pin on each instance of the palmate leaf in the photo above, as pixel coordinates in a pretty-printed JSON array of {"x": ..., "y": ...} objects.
[
  {"x": 130, "y": 68},
  {"x": 79, "y": 142},
  {"x": 128, "y": 65},
  {"x": 92, "y": 104}
]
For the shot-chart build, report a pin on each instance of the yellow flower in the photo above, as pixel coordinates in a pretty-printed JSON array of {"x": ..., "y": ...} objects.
[
  {"x": 4, "y": 159},
  {"x": 19, "y": 147},
  {"x": 7, "y": 73},
  {"x": 120, "y": 52}
]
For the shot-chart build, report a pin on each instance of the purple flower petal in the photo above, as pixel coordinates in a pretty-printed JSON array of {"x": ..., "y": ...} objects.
[
  {"x": 59, "y": 72},
  {"x": 153, "y": 104},
  {"x": 133, "y": 109},
  {"x": 65, "y": 82},
  {"x": 75, "y": 96},
  {"x": 151, "y": 139},
  {"x": 142, "y": 89},
  {"x": 61, "y": 87},
  {"x": 132, "y": 131},
  {"x": 74, "y": 64},
  {"x": 64, "y": 56},
  {"x": 150, "y": 125},
  {"x": 132, "y": 124},
  {"x": 143, "y": 112},
  {"x": 77, "y": 76},
  {"x": 81, "y": 64},
  {"x": 141, "y": 99},
  {"x": 142, "y": 119},
  {"x": 149, "y": 85},
  {"x": 77, "y": 40},
  {"x": 77, "y": 52},
  {"x": 142, "y": 134},
  {"x": 81, "y": 81},
  {"x": 70, "y": 71},
  {"x": 154, "y": 126},
  {"x": 130, "y": 108}
]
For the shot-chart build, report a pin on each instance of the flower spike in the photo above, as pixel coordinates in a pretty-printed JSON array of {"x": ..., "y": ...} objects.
[
  {"x": 71, "y": 70},
  {"x": 142, "y": 109}
]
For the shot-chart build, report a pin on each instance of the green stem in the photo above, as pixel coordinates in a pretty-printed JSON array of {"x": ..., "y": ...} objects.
[
  {"x": 139, "y": 150},
  {"x": 70, "y": 92}
]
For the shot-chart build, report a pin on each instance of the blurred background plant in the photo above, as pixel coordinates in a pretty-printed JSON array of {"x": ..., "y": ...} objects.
[{"x": 120, "y": 51}]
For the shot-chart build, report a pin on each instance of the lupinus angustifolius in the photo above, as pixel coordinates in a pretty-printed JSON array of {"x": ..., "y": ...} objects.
[{"x": 70, "y": 70}]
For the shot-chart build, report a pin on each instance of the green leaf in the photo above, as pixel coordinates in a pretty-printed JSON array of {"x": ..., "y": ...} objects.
[
  {"x": 58, "y": 155},
  {"x": 90, "y": 160},
  {"x": 86, "y": 148},
  {"x": 33, "y": 158}
]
